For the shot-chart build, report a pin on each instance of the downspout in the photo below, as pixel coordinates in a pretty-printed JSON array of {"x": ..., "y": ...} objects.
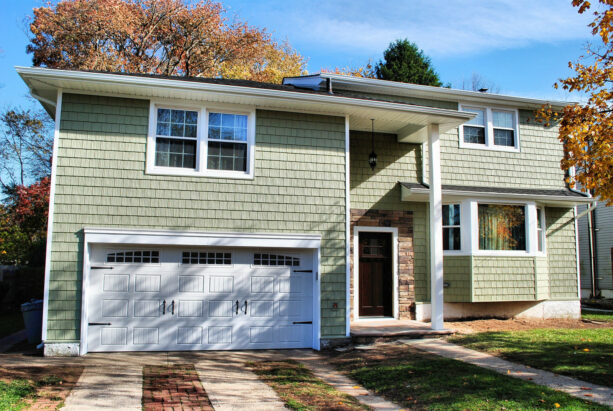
[
  {"x": 423, "y": 164},
  {"x": 594, "y": 235},
  {"x": 591, "y": 233}
]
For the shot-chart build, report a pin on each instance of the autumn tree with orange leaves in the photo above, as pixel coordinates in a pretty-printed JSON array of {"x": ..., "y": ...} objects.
[
  {"x": 587, "y": 129},
  {"x": 167, "y": 37}
]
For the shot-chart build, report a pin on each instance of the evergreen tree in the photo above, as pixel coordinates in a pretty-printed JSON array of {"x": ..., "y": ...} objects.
[{"x": 405, "y": 62}]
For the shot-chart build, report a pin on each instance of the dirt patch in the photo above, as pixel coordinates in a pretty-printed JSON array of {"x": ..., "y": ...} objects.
[
  {"x": 517, "y": 324},
  {"x": 53, "y": 384},
  {"x": 173, "y": 387},
  {"x": 300, "y": 389}
]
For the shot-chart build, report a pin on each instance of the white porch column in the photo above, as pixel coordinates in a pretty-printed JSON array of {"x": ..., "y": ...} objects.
[{"x": 436, "y": 228}]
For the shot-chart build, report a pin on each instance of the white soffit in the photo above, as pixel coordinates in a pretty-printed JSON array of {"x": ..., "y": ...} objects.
[{"x": 408, "y": 121}]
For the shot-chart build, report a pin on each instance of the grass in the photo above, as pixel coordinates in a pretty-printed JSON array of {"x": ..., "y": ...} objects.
[
  {"x": 300, "y": 390},
  {"x": 14, "y": 393},
  {"x": 586, "y": 354},
  {"x": 596, "y": 316},
  {"x": 422, "y": 381},
  {"x": 10, "y": 323}
]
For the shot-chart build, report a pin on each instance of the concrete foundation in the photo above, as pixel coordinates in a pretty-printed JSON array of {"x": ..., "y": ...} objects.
[
  {"x": 519, "y": 309},
  {"x": 61, "y": 350}
]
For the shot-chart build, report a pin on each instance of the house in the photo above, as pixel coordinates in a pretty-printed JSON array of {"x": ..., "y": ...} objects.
[
  {"x": 193, "y": 214},
  {"x": 596, "y": 251}
]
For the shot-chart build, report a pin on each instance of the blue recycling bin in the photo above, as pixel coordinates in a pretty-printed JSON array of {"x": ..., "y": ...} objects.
[{"x": 33, "y": 319}]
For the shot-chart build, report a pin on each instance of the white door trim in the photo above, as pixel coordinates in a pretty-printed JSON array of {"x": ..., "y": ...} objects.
[
  {"x": 356, "y": 267},
  {"x": 193, "y": 238}
]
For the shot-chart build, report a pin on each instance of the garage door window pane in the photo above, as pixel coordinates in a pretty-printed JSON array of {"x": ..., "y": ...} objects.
[
  {"x": 206, "y": 257},
  {"x": 265, "y": 259},
  {"x": 134, "y": 257}
]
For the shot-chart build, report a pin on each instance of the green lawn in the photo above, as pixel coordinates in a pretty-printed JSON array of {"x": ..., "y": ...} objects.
[
  {"x": 12, "y": 394},
  {"x": 586, "y": 354},
  {"x": 422, "y": 381},
  {"x": 10, "y": 323},
  {"x": 596, "y": 316}
]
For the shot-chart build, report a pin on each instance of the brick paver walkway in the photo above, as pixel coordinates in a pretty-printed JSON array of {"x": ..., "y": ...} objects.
[{"x": 177, "y": 386}]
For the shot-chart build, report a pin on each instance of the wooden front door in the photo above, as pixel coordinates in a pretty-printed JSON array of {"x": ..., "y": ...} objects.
[{"x": 375, "y": 275}]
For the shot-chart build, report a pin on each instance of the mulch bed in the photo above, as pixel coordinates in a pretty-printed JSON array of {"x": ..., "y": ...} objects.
[
  {"x": 517, "y": 324},
  {"x": 53, "y": 384},
  {"x": 174, "y": 387}
]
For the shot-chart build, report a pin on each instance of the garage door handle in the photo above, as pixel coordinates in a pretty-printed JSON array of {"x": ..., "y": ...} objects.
[
  {"x": 98, "y": 323},
  {"x": 237, "y": 304},
  {"x": 302, "y": 322},
  {"x": 164, "y": 307},
  {"x": 245, "y": 307},
  {"x": 172, "y": 307}
]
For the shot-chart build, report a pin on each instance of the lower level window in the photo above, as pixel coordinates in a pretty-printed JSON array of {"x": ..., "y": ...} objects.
[
  {"x": 451, "y": 227},
  {"x": 502, "y": 227}
]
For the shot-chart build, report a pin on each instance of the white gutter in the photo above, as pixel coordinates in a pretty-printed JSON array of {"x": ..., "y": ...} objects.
[
  {"x": 398, "y": 88},
  {"x": 151, "y": 82}
]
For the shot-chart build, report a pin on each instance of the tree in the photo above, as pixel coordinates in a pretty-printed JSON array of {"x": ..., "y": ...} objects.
[
  {"x": 168, "y": 37},
  {"x": 479, "y": 83},
  {"x": 26, "y": 145},
  {"x": 405, "y": 62},
  {"x": 366, "y": 71},
  {"x": 586, "y": 130},
  {"x": 23, "y": 224}
]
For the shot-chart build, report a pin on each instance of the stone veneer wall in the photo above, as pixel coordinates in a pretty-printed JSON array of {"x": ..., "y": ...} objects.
[{"x": 403, "y": 220}]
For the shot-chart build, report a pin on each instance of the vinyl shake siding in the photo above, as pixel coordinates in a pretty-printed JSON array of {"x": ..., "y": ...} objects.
[{"x": 298, "y": 187}]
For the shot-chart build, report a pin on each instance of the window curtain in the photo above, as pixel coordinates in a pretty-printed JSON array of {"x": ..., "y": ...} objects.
[{"x": 502, "y": 227}]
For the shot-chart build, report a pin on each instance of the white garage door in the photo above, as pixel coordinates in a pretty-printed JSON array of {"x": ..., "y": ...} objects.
[{"x": 157, "y": 299}]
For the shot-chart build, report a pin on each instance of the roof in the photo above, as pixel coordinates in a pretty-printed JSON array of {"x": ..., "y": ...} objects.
[
  {"x": 564, "y": 196},
  {"x": 405, "y": 120}
]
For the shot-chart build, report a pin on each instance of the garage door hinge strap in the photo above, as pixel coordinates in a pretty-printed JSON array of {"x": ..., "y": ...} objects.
[
  {"x": 98, "y": 323},
  {"x": 100, "y": 268},
  {"x": 302, "y": 322},
  {"x": 303, "y": 271}
]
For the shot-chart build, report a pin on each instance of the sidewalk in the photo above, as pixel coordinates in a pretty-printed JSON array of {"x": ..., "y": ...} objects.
[{"x": 576, "y": 388}]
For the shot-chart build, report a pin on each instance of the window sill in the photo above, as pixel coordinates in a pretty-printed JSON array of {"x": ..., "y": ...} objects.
[
  {"x": 493, "y": 253},
  {"x": 171, "y": 171},
  {"x": 489, "y": 148}
]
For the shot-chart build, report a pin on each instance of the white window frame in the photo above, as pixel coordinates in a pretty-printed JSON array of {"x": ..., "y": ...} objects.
[
  {"x": 202, "y": 145},
  {"x": 489, "y": 129},
  {"x": 469, "y": 229},
  {"x": 541, "y": 209},
  {"x": 452, "y": 252}
]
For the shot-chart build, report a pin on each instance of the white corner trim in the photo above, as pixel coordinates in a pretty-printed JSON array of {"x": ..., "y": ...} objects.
[
  {"x": 317, "y": 300},
  {"x": 201, "y": 169},
  {"x": 56, "y": 138},
  {"x": 347, "y": 233},
  {"x": 356, "y": 267},
  {"x": 576, "y": 252}
]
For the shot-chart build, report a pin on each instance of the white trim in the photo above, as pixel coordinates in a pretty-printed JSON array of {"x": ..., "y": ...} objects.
[
  {"x": 489, "y": 129},
  {"x": 170, "y": 238},
  {"x": 436, "y": 228},
  {"x": 577, "y": 253},
  {"x": 347, "y": 234},
  {"x": 202, "y": 140},
  {"x": 317, "y": 299},
  {"x": 443, "y": 93},
  {"x": 356, "y": 267},
  {"x": 56, "y": 143}
]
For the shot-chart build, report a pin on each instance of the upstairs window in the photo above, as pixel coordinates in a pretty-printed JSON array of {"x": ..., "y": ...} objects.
[
  {"x": 200, "y": 141},
  {"x": 490, "y": 129}
]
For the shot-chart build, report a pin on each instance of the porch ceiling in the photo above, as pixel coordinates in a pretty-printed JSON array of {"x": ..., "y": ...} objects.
[{"x": 408, "y": 121}]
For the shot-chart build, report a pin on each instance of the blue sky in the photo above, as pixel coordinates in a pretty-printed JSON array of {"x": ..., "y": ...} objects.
[{"x": 523, "y": 46}]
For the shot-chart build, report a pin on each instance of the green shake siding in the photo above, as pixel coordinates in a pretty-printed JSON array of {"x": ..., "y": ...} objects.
[{"x": 299, "y": 187}]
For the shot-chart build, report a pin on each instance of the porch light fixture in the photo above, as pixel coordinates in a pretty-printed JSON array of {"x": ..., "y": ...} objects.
[{"x": 372, "y": 158}]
